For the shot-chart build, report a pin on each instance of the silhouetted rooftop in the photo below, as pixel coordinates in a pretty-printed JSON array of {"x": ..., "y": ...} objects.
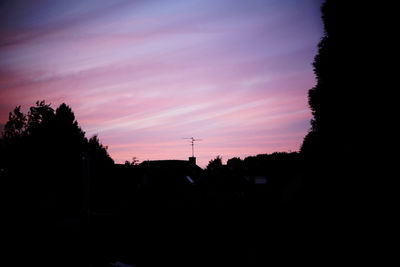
[{"x": 182, "y": 165}]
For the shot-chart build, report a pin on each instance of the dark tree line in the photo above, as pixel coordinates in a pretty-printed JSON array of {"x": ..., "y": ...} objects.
[
  {"x": 44, "y": 157},
  {"x": 264, "y": 181}
]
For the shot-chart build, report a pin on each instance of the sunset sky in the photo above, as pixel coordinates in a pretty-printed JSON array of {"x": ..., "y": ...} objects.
[{"x": 145, "y": 74}]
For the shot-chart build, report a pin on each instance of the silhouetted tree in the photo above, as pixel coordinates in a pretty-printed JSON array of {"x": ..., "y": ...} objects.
[
  {"x": 214, "y": 164},
  {"x": 336, "y": 100},
  {"x": 98, "y": 152},
  {"x": 40, "y": 117},
  {"x": 134, "y": 161},
  {"x": 43, "y": 153},
  {"x": 16, "y": 124},
  {"x": 340, "y": 128},
  {"x": 234, "y": 164}
]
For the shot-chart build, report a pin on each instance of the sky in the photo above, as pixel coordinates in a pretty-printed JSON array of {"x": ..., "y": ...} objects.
[{"x": 143, "y": 75}]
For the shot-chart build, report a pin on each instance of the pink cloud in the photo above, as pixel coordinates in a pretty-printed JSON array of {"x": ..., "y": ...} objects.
[{"x": 143, "y": 76}]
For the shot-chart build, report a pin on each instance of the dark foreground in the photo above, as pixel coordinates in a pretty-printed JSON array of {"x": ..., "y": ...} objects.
[{"x": 235, "y": 236}]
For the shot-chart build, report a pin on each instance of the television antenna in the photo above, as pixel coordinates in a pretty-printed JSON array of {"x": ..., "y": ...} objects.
[{"x": 192, "y": 140}]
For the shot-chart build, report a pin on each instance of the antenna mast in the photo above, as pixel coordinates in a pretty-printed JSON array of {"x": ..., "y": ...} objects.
[{"x": 192, "y": 140}]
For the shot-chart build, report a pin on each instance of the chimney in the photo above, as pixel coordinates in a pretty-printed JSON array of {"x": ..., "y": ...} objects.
[{"x": 192, "y": 160}]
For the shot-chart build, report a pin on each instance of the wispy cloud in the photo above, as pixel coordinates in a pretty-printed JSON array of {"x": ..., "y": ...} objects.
[{"x": 144, "y": 74}]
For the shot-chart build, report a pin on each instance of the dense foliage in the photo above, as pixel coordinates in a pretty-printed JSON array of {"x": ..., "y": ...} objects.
[{"x": 44, "y": 157}]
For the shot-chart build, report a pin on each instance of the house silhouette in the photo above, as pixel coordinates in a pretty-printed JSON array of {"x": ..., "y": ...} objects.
[{"x": 170, "y": 183}]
